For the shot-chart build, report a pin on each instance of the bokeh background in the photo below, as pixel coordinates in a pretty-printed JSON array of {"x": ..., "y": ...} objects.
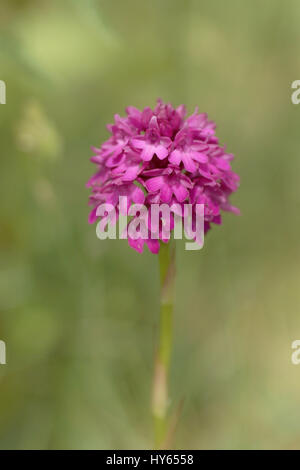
[{"x": 79, "y": 316}]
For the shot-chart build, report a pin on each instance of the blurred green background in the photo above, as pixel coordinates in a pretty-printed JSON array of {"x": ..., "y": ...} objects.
[{"x": 79, "y": 315}]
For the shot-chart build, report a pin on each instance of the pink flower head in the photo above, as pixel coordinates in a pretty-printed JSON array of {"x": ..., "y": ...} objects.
[{"x": 160, "y": 157}]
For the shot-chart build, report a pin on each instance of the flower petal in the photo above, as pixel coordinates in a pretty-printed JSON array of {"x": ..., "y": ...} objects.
[
  {"x": 180, "y": 192},
  {"x": 153, "y": 246},
  {"x": 188, "y": 162},
  {"x": 154, "y": 184},
  {"x": 161, "y": 151},
  {"x": 131, "y": 173},
  {"x": 199, "y": 157},
  {"x": 148, "y": 152},
  {"x": 138, "y": 143},
  {"x": 175, "y": 157},
  {"x": 165, "y": 193},
  {"x": 138, "y": 195}
]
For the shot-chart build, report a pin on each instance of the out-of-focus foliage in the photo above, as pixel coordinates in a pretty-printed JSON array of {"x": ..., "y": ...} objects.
[{"x": 78, "y": 315}]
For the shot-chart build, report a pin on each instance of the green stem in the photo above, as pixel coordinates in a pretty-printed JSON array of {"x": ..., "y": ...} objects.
[{"x": 163, "y": 354}]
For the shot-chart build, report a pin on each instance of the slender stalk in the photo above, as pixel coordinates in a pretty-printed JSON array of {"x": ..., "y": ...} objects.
[{"x": 160, "y": 398}]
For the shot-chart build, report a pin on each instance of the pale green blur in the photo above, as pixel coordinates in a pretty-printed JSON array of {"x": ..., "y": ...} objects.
[{"x": 79, "y": 316}]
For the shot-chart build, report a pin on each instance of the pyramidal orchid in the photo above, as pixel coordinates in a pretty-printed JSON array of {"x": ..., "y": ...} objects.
[{"x": 160, "y": 156}]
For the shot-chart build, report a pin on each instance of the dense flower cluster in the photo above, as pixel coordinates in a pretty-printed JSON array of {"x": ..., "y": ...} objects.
[{"x": 159, "y": 156}]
